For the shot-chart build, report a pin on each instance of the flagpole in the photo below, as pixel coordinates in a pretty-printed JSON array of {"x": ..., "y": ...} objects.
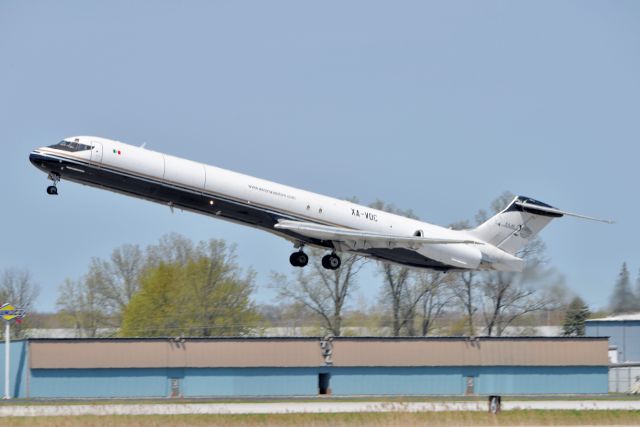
[
  {"x": 8, "y": 313},
  {"x": 7, "y": 330}
]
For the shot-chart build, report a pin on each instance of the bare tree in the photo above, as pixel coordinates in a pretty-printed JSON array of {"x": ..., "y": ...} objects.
[
  {"x": 118, "y": 279},
  {"x": 78, "y": 302},
  {"x": 17, "y": 287},
  {"x": 396, "y": 279},
  {"x": 415, "y": 297},
  {"x": 509, "y": 296},
  {"x": 324, "y": 292},
  {"x": 436, "y": 296},
  {"x": 465, "y": 289}
]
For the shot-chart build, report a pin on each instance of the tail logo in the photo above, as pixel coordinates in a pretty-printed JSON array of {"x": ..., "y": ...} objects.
[
  {"x": 519, "y": 230},
  {"x": 525, "y": 232}
]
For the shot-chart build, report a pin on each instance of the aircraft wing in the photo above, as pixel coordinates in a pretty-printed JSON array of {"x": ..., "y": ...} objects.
[{"x": 361, "y": 238}]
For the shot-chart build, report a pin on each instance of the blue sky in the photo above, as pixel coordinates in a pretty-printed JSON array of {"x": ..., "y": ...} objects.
[{"x": 434, "y": 106}]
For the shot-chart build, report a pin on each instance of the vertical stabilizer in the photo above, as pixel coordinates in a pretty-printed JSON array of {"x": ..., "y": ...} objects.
[{"x": 518, "y": 224}]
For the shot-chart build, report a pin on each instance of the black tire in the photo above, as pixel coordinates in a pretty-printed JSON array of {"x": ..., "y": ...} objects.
[
  {"x": 52, "y": 190},
  {"x": 334, "y": 262},
  {"x": 293, "y": 259},
  {"x": 325, "y": 262},
  {"x": 303, "y": 259},
  {"x": 299, "y": 259},
  {"x": 331, "y": 262}
]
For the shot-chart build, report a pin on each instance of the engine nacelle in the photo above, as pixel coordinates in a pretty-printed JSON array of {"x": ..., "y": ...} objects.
[
  {"x": 456, "y": 255},
  {"x": 496, "y": 259}
]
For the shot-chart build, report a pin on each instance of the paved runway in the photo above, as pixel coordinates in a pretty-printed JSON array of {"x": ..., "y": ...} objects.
[{"x": 302, "y": 407}]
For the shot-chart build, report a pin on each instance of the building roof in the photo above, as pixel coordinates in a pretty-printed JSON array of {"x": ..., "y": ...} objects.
[{"x": 618, "y": 318}]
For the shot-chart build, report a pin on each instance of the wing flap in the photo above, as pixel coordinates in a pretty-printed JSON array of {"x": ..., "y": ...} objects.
[{"x": 340, "y": 234}]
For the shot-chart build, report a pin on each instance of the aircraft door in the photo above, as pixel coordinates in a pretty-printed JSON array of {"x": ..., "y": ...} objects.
[{"x": 96, "y": 152}]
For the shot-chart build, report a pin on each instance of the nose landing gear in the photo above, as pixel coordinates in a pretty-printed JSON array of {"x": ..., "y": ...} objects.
[{"x": 53, "y": 189}]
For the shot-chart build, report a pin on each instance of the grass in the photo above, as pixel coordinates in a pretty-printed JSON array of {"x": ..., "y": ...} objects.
[{"x": 438, "y": 419}]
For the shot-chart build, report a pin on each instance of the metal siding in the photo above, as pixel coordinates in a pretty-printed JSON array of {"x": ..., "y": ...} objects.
[
  {"x": 400, "y": 381},
  {"x": 464, "y": 352},
  {"x": 230, "y": 353},
  {"x": 166, "y": 353},
  {"x": 251, "y": 382},
  {"x": 197, "y": 382},
  {"x": 197, "y": 365},
  {"x": 18, "y": 367},
  {"x": 542, "y": 380},
  {"x": 632, "y": 341},
  {"x": 625, "y": 334},
  {"x": 67, "y": 383}
]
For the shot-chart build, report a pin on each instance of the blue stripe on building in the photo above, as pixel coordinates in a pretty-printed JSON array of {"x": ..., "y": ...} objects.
[{"x": 223, "y": 382}]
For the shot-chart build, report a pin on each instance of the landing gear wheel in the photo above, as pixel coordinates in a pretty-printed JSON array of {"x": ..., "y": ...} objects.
[
  {"x": 52, "y": 189},
  {"x": 299, "y": 259},
  {"x": 331, "y": 262}
]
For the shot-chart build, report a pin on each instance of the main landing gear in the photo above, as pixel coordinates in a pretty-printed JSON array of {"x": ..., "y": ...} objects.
[
  {"x": 53, "y": 189},
  {"x": 301, "y": 259},
  {"x": 331, "y": 261}
]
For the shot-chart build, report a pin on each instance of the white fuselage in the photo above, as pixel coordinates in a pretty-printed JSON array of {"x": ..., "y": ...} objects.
[{"x": 252, "y": 201}]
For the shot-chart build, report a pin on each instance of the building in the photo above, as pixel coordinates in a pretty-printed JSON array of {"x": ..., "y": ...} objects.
[
  {"x": 216, "y": 367},
  {"x": 623, "y": 332}
]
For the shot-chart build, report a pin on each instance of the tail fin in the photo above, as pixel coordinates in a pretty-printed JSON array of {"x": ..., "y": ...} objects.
[
  {"x": 514, "y": 227},
  {"x": 519, "y": 223}
]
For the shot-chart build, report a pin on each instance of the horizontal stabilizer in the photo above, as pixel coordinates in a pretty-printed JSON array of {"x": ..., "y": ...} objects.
[
  {"x": 519, "y": 223},
  {"x": 533, "y": 208}
]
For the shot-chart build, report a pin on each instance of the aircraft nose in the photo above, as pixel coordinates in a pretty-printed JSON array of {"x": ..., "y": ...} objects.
[
  {"x": 37, "y": 159},
  {"x": 33, "y": 157}
]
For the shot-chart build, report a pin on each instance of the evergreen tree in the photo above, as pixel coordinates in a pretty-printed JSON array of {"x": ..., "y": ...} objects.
[
  {"x": 623, "y": 299},
  {"x": 577, "y": 313}
]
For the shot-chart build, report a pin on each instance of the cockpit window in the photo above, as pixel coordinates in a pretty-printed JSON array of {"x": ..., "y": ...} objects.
[{"x": 71, "y": 146}]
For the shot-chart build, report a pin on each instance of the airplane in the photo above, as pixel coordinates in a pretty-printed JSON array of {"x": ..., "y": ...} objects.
[{"x": 302, "y": 217}]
